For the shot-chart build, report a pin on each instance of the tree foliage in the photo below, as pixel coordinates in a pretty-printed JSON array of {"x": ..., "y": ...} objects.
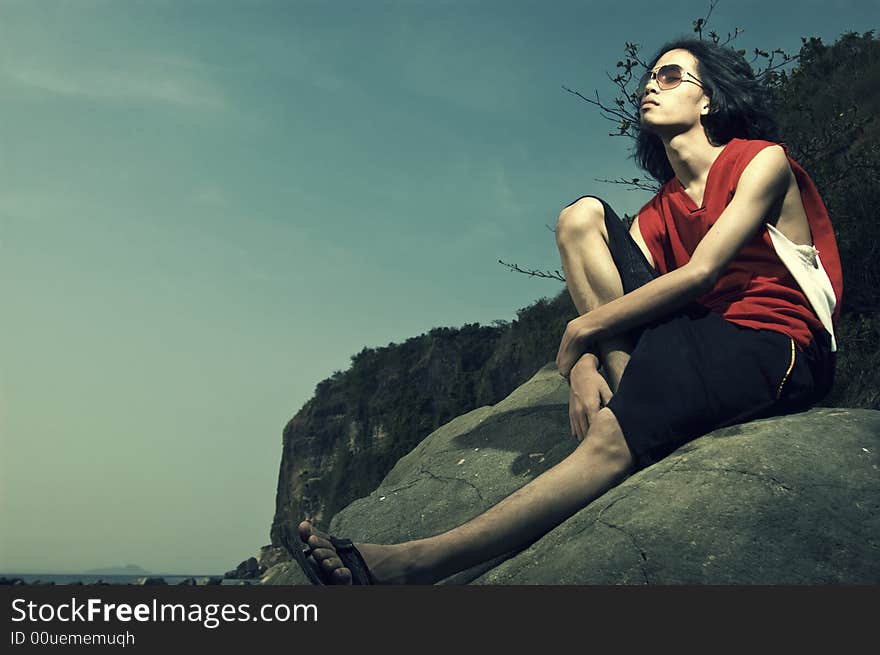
[{"x": 827, "y": 109}]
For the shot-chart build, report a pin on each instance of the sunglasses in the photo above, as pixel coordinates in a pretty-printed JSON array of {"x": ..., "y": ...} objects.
[{"x": 668, "y": 77}]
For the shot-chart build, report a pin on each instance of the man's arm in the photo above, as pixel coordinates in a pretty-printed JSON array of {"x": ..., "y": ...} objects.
[{"x": 762, "y": 185}]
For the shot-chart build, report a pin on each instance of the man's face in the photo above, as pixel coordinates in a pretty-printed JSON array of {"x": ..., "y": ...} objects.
[{"x": 674, "y": 110}]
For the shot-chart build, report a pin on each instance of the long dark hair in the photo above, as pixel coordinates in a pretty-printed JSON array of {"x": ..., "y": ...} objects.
[{"x": 740, "y": 106}]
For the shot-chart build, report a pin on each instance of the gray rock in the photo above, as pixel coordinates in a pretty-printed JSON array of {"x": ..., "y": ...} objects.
[
  {"x": 149, "y": 580},
  {"x": 791, "y": 500},
  {"x": 210, "y": 580},
  {"x": 270, "y": 555},
  {"x": 246, "y": 570},
  {"x": 346, "y": 438},
  {"x": 254, "y": 567},
  {"x": 786, "y": 500},
  {"x": 284, "y": 573}
]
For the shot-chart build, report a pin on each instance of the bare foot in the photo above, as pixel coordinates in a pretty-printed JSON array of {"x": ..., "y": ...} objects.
[{"x": 391, "y": 564}]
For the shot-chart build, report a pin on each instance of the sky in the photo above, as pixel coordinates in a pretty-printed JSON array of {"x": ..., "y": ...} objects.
[{"x": 206, "y": 208}]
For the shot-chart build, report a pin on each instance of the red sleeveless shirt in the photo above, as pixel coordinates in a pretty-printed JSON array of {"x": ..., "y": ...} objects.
[{"x": 756, "y": 290}]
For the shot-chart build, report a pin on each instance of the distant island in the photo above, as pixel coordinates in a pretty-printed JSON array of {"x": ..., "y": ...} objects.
[{"x": 128, "y": 569}]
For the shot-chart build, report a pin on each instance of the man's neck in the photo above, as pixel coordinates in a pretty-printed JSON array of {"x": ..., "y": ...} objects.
[{"x": 691, "y": 155}]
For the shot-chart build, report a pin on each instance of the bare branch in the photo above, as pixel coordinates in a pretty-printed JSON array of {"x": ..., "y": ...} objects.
[
  {"x": 550, "y": 275},
  {"x": 634, "y": 184},
  {"x": 736, "y": 32},
  {"x": 626, "y": 119},
  {"x": 700, "y": 23}
]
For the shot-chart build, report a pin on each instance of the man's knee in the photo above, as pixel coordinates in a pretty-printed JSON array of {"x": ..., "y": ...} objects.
[
  {"x": 579, "y": 218},
  {"x": 605, "y": 442}
]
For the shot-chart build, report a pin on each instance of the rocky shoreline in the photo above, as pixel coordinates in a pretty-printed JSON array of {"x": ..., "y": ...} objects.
[
  {"x": 248, "y": 572},
  {"x": 142, "y": 581},
  {"x": 255, "y": 568}
]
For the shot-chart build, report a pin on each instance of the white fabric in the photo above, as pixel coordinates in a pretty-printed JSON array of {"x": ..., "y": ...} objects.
[{"x": 805, "y": 266}]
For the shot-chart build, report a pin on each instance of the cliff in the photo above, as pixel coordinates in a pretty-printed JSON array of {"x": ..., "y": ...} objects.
[
  {"x": 344, "y": 440},
  {"x": 786, "y": 500}
]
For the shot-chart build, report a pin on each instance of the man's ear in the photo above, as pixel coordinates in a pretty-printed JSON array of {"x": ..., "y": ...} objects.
[{"x": 708, "y": 106}]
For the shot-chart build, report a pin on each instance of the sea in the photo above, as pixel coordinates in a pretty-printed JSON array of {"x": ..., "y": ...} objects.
[{"x": 89, "y": 578}]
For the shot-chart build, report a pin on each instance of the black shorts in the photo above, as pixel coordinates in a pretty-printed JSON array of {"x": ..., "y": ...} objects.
[{"x": 693, "y": 371}]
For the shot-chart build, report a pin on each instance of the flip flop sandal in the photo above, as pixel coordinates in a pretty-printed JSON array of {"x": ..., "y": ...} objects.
[
  {"x": 309, "y": 567},
  {"x": 353, "y": 561},
  {"x": 301, "y": 553},
  {"x": 345, "y": 550}
]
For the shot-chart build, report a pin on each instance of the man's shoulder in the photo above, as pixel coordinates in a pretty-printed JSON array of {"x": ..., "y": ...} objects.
[
  {"x": 744, "y": 150},
  {"x": 774, "y": 157}
]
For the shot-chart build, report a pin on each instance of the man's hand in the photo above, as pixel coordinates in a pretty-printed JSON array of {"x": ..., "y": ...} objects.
[
  {"x": 574, "y": 343},
  {"x": 588, "y": 392}
]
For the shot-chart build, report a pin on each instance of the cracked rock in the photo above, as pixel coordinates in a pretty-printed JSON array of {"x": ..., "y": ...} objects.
[{"x": 785, "y": 500}]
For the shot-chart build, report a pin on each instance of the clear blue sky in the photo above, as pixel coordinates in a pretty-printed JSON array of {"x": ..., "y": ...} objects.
[{"x": 208, "y": 207}]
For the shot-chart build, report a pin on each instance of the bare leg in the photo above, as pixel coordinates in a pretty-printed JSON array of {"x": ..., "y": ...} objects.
[
  {"x": 601, "y": 461},
  {"x": 591, "y": 275}
]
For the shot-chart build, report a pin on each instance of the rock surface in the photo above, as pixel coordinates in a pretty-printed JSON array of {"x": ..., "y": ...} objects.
[
  {"x": 270, "y": 555},
  {"x": 343, "y": 441},
  {"x": 786, "y": 500},
  {"x": 246, "y": 570},
  {"x": 149, "y": 581},
  {"x": 254, "y": 567},
  {"x": 209, "y": 580}
]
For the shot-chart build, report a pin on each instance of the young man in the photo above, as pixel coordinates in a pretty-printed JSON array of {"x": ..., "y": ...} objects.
[{"x": 701, "y": 316}]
